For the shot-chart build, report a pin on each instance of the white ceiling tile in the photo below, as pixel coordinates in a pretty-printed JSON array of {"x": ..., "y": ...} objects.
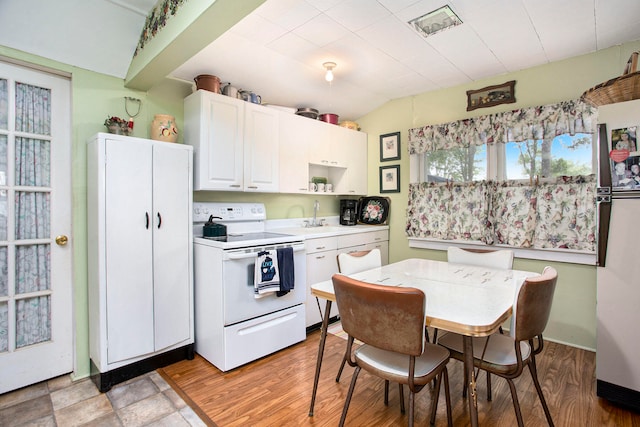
[
  {"x": 288, "y": 14},
  {"x": 357, "y": 14},
  {"x": 258, "y": 29},
  {"x": 291, "y": 45},
  {"x": 321, "y": 30},
  {"x": 394, "y": 37},
  {"x": 395, "y": 6},
  {"x": 323, "y": 5}
]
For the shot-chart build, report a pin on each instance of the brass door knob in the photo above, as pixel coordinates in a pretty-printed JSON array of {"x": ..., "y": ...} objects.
[{"x": 62, "y": 240}]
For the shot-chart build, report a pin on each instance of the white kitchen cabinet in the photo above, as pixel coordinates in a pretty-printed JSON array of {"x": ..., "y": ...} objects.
[
  {"x": 294, "y": 153},
  {"x": 324, "y": 147},
  {"x": 236, "y": 143},
  {"x": 322, "y": 262},
  {"x": 139, "y": 198},
  {"x": 366, "y": 242},
  {"x": 354, "y": 146},
  {"x": 261, "y": 152},
  {"x": 214, "y": 126}
]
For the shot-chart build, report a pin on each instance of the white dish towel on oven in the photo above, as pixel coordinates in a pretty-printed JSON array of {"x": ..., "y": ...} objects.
[{"x": 267, "y": 275}]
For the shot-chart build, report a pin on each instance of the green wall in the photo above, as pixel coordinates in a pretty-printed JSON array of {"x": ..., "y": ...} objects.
[{"x": 573, "y": 316}]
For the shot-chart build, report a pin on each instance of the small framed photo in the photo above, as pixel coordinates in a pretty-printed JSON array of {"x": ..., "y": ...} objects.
[
  {"x": 390, "y": 147},
  {"x": 624, "y": 139},
  {"x": 390, "y": 179},
  {"x": 491, "y": 95}
]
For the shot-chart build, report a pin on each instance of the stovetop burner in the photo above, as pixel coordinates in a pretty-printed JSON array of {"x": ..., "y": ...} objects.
[
  {"x": 245, "y": 223},
  {"x": 241, "y": 237}
]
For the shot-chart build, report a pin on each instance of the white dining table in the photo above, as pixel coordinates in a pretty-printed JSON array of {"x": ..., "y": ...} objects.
[{"x": 469, "y": 300}]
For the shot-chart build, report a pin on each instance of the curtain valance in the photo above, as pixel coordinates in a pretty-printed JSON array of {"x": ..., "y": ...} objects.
[{"x": 532, "y": 123}]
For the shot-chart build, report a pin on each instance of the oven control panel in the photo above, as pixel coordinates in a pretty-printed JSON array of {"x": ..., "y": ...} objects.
[{"x": 229, "y": 211}]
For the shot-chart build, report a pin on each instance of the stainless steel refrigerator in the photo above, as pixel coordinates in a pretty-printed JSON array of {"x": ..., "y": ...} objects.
[{"x": 618, "y": 271}]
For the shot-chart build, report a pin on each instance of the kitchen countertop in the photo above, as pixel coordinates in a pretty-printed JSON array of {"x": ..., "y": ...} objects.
[{"x": 329, "y": 230}]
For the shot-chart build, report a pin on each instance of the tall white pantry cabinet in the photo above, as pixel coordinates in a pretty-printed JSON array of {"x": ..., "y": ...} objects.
[{"x": 139, "y": 214}]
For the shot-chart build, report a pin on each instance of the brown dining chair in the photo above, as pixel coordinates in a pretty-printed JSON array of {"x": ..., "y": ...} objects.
[
  {"x": 501, "y": 259},
  {"x": 355, "y": 262},
  {"x": 506, "y": 355},
  {"x": 389, "y": 321}
]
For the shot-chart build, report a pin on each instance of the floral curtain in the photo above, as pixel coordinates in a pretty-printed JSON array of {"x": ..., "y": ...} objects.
[
  {"x": 31, "y": 173},
  {"x": 4, "y": 276},
  {"x": 547, "y": 121},
  {"x": 450, "y": 211},
  {"x": 559, "y": 214}
]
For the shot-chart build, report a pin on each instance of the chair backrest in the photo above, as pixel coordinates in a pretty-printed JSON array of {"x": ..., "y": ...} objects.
[
  {"x": 355, "y": 262},
  {"x": 533, "y": 305},
  {"x": 387, "y": 317},
  {"x": 502, "y": 258}
]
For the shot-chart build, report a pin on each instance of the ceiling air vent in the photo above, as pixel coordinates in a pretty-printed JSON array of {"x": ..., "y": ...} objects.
[{"x": 435, "y": 21}]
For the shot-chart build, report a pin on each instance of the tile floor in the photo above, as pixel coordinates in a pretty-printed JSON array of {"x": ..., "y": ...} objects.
[{"x": 146, "y": 400}]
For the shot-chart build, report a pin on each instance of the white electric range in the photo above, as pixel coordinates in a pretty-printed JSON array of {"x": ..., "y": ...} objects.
[{"x": 232, "y": 326}]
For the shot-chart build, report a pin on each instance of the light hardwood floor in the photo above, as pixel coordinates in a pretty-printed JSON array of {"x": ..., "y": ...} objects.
[{"x": 276, "y": 391}]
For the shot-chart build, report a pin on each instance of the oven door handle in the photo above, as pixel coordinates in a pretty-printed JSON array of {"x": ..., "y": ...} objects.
[{"x": 252, "y": 254}]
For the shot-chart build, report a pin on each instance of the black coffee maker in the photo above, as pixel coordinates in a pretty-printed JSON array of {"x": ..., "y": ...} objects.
[{"x": 348, "y": 212}]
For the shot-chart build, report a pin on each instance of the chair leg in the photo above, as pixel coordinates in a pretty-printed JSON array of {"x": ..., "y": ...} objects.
[
  {"x": 435, "y": 398},
  {"x": 386, "y": 392},
  {"x": 516, "y": 404},
  {"x": 435, "y": 335},
  {"x": 488, "y": 387},
  {"x": 534, "y": 375},
  {"x": 401, "y": 398},
  {"x": 412, "y": 396},
  {"x": 464, "y": 386},
  {"x": 426, "y": 334},
  {"x": 447, "y": 397},
  {"x": 349, "y": 394},
  {"x": 344, "y": 360}
]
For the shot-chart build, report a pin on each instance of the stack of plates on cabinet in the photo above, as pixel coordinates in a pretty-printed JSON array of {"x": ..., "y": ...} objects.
[{"x": 311, "y": 113}]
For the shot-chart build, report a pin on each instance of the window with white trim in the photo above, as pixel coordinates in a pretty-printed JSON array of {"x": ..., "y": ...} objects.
[{"x": 523, "y": 178}]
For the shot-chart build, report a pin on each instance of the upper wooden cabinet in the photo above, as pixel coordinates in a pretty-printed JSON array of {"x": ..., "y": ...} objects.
[
  {"x": 236, "y": 143},
  {"x": 294, "y": 154},
  {"x": 240, "y": 146},
  {"x": 311, "y": 148},
  {"x": 353, "y": 148}
]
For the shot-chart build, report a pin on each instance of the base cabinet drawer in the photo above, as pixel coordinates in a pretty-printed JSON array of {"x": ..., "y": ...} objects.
[
  {"x": 247, "y": 341},
  {"x": 322, "y": 263}
]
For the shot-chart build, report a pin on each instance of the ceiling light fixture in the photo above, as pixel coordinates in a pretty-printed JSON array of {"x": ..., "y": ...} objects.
[
  {"x": 435, "y": 21},
  {"x": 329, "y": 66}
]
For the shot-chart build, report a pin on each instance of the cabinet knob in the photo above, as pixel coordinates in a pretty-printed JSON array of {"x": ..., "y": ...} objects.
[{"x": 62, "y": 240}]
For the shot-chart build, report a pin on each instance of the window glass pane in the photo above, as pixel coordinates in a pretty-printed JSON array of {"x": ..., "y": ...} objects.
[
  {"x": 4, "y": 272},
  {"x": 33, "y": 109},
  {"x": 3, "y": 189},
  {"x": 32, "y": 215},
  {"x": 33, "y": 321},
  {"x": 33, "y": 162},
  {"x": 33, "y": 272},
  {"x": 4, "y": 104},
  {"x": 565, "y": 155},
  {"x": 4, "y": 326},
  {"x": 456, "y": 164}
]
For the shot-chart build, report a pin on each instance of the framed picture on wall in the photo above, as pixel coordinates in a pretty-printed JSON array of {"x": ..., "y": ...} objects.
[
  {"x": 390, "y": 179},
  {"x": 390, "y": 147}
]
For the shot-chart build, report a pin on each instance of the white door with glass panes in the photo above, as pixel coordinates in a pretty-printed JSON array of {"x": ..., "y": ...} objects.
[{"x": 36, "y": 329}]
